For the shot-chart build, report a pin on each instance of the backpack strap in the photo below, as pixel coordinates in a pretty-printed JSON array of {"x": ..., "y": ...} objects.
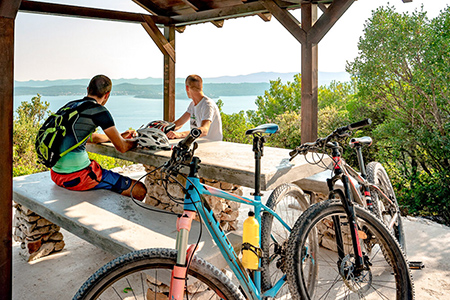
[
  {"x": 76, "y": 145},
  {"x": 89, "y": 103}
]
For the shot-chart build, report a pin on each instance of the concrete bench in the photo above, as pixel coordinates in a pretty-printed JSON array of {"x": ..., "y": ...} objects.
[{"x": 106, "y": 219}]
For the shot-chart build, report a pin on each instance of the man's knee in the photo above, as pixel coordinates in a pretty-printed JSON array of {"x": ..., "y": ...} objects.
[{"x": 139, "y": 191}]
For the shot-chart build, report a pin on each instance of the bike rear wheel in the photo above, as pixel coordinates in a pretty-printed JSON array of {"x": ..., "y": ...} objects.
[
  {"x": 386, "y": 274},
  {"x": 386, "y": 210},
  {"x": 288, "y": 201},
  {"x": 146, "y": 274}
]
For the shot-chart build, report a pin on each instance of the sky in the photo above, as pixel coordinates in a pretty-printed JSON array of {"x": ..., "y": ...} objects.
[{"x": 52, "y": 47}]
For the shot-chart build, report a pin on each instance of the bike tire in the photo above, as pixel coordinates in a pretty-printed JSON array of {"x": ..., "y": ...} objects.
[
  {"x": 376, "y": 174},
  {"x": 150, "y": 270},
  {"x": 288, "y": 201},
  {"x": 386, "y": 274}
]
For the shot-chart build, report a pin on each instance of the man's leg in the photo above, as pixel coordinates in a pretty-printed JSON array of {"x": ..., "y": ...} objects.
[
  {"x": 122, "y": 185},
  {"x": 138, "y": 188}
]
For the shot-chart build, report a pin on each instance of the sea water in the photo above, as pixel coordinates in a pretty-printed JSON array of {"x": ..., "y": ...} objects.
[{"x": 131, "y": 112}]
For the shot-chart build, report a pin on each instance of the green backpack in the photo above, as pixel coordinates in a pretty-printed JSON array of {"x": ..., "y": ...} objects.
[{"x": 50, "y": 135}]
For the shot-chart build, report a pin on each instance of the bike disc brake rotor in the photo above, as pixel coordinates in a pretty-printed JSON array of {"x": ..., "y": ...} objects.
[{"x": 357, "y": 283}]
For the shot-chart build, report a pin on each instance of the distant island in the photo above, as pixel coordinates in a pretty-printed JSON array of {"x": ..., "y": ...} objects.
[{"x": 241, "y": 85}]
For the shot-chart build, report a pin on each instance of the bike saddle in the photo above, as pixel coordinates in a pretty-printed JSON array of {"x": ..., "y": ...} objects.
[
  {"x": 264, "y": 128},
  {"x": 362, "y": 141}
]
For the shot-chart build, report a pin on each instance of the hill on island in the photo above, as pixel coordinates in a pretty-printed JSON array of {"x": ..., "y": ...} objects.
[{"x": 240, "y": 85}]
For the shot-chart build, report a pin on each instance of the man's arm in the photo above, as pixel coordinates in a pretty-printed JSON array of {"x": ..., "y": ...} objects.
[
  {"x": 179, "y": 135},
  {"x": 205, "y": 127},
  {"x": 121, "y": 141},
  {"x": 178, "y": 124}
]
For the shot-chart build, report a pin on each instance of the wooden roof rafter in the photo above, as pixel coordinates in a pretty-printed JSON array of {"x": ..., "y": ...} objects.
[{"x": 87, "y": 12}]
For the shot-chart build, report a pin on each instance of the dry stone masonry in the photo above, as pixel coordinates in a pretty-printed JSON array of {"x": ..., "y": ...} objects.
[
  {"x": 225, "y": 211},
  {"x": 37, "y": 236}
]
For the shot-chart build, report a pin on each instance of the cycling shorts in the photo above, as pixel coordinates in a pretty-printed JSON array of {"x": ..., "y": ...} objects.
[{"x": 91, "y": 178}]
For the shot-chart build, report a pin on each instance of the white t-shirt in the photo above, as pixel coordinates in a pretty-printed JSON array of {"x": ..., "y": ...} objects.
[{"x": 206, "y": 109}]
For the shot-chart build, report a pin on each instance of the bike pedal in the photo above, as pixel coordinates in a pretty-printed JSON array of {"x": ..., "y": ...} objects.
[{"x": 416, "y": 265}]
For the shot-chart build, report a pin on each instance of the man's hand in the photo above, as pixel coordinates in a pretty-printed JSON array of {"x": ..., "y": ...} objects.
[
  {"x": 129, "y": 134},
  {"x": 174, "y": 135}
]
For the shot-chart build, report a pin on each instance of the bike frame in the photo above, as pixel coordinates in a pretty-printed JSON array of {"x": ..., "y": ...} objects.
[
  {"x": 364, "y": 199},
  {"x": 195, "y": 204}
]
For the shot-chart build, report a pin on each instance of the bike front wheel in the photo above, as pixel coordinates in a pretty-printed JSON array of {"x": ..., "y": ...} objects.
[
  {"x": 313, "y": 242},
  {"x": 387, "y": 210},
  {"x": 146, "y": 274}
]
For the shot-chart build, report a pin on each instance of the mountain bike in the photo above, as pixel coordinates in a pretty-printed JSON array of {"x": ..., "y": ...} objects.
[
  {"x": 370, "y": 188},
  {"x": 353, "y": 253},
  {"x": 179, "y": 273}
]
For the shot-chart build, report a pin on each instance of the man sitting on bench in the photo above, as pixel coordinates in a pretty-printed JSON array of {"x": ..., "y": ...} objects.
[{"x": 75, "y": 171}]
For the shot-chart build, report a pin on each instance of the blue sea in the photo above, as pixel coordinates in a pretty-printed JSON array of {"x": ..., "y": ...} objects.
[{"x": 131, "y": 112}]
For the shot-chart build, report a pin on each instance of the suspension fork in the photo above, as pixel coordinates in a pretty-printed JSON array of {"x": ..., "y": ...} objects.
[
  {"x": 184, "y": 255},
  {"x": 347, "y": 203},
  {"x": 351, "y": 217}
]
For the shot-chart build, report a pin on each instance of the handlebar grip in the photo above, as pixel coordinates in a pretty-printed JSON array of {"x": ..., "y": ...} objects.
[
  {"x": 190, "y": 138},
  {"x": 359, "y": 124},
  {"x": 293, "y": 152}
]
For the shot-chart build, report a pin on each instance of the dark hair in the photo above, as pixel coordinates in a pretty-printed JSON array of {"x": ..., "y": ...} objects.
[
  {"x": 194, "y": 81},
  {"x": 99, "y": 86}
]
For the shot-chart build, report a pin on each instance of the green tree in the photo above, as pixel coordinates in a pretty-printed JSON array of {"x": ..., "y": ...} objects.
[
  {"x": 280, "y": 98},
  {"x": 234, "y": 126},
  {"x": 402, "y": 72},
  {"x": 26, "y": 125}
]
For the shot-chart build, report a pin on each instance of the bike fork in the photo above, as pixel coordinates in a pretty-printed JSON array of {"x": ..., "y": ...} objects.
[
  {"x": 178, "y": 280},
  {"x": 351, "y": 217}
]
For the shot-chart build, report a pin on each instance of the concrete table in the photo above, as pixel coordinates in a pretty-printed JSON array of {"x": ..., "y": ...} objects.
[{"x": 228, "y": 162}]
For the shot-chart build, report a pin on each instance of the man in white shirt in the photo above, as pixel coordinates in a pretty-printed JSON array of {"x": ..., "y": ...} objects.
[{"x": 202, "y": 112}]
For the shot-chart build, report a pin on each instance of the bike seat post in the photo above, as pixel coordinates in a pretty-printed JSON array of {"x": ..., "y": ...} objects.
[
  {"x": 258, "y": 146},
  {"x": 360, "y": 157}
]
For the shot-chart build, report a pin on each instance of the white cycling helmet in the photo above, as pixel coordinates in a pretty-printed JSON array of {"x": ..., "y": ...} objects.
[{"x": 152, "y": 138}]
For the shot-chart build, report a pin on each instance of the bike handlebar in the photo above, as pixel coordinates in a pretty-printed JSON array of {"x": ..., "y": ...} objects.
[
  {"x": 181, "y": 153},
  {"x": 190, "y": 138},
  {"x": 337, "y": 133}
]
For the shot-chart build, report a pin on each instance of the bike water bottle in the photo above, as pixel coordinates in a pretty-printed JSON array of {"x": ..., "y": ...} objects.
[{"x": 250, "y": 242}]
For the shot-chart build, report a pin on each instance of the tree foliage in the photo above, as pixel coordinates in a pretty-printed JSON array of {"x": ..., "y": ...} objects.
[
  {"x": 26, "y": 125},
  {"x": 280, "y": 98},
  {"x": 402, "y": 72}
]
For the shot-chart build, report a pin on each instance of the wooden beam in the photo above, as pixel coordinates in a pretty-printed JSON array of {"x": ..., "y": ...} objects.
[
  {"x": 266, "y": 17},
  {"x": 218, "y": 23},
  {"x": 8, "y": 12},
  {"x": 169, "y": 77},
  {"x": 86, "y": 12},
  {"x": 323, "y": 7},
  {"x": 309, "y": 106},
  {"x": 151, "y": 7},
  {"x": 287, "y": 20},
  {"x": 242, "y": 10},
  {"x": 328, "y": 19},
  {"x": 159, "y": 39},
  {"x": 8, "y": 8}
]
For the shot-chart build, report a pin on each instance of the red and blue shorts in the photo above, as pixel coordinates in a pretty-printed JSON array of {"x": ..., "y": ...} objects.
[{"x": 91, "y": 178}]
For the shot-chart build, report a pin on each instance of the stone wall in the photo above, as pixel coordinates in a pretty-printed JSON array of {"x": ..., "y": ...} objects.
[
  {"x": 225, "y": 211},
  {"x": 37, "y": 236}
]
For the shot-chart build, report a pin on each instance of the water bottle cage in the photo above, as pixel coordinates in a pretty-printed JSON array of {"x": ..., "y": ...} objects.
[{"x": 257, "y": 251}]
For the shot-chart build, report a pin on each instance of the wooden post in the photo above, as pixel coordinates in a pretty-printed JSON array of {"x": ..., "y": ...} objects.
[
  {"x": 309, "y": 109},
  {"x": 8, "y": 12},
  {"x": 169, "y": 77}
]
